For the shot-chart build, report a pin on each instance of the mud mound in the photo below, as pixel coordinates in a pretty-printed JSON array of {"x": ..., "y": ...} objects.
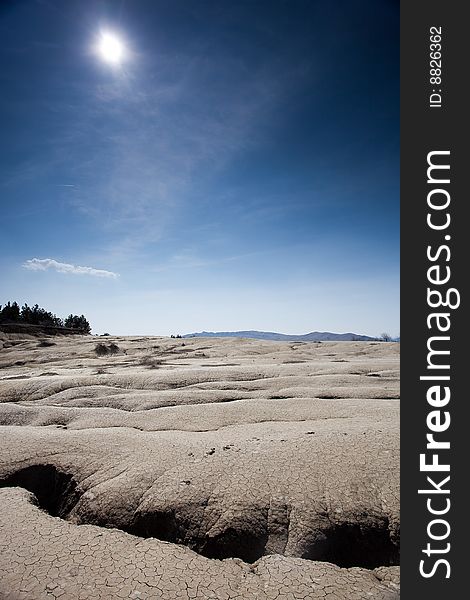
[
  {"x": 364, "y": 543},
  {"x": 273, "y": 475}
]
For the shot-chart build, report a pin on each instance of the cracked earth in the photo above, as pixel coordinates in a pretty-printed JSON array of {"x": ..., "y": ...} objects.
[{"x": 198, "y": 468}]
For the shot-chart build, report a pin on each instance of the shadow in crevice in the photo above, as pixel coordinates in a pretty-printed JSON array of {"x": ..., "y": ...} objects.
[
  {"x": 244, "y": 544},
  {"x": 56, "y": 492},
  {"x": 355, "y": 545},
  {"x": 234, "y": 542}
]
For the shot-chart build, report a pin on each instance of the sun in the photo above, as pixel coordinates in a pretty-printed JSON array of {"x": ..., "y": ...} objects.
[{"x": 110, "y": 48}]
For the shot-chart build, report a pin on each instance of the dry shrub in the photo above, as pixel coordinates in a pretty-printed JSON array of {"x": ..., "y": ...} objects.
[
  {"x": 101, "y": 372},
  {"x": 101, "y": 349},
  {"x": 46, "y": 344},
  {"x": 151, "y": 362}
]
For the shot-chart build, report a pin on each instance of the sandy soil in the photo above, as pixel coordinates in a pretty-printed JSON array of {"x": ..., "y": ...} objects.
[{"x": 198, "y": 468}]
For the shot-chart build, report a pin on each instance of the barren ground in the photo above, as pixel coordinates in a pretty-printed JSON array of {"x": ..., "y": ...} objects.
[{"x": 198, "y": 468}]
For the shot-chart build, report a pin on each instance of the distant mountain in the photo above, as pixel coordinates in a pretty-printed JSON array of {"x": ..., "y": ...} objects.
[{"x": 315, "y": 336}]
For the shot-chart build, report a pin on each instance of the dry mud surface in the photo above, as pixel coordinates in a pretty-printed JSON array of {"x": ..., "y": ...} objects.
[{"x": 198, "y": 468}]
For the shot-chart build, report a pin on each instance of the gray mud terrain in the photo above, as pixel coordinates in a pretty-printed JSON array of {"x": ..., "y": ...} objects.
[{"x": 198, "y": 468}]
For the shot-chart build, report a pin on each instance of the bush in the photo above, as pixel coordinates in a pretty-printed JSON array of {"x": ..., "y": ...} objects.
[
  {"x": 101, "y": 349},
  {"x": 151, "y": 362}
]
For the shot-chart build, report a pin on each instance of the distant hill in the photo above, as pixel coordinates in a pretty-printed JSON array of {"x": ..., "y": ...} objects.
[{"x": 315, "y": 336}]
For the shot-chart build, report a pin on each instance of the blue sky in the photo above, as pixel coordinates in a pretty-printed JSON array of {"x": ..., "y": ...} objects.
[{"x": 238, "y": 169}]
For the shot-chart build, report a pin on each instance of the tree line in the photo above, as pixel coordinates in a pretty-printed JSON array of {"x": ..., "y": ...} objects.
[{"x": 35, "y": 315}]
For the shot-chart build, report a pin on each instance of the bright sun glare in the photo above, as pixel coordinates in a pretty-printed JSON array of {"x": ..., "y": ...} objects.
[{"x": 110, "y": 48}]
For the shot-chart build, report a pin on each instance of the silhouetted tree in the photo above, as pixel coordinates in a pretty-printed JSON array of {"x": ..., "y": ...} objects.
[
  {"x": 35, "y": 315},
  {"x": 10, "y": 312},
  {"x": 39, "y": 316},
  {"x": 78, "y": 322}
]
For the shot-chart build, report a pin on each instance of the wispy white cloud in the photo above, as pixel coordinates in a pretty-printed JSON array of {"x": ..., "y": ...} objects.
[
  {"x": 188, "y": 260},
  {"x": 43, "y": 264},
  {"x": 161, "y": 148}
]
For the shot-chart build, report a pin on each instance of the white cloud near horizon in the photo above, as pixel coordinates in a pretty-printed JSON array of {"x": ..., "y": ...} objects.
[{"x": 43, "y": 264}]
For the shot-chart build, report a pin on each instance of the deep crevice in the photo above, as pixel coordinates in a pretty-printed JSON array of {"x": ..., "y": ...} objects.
[
  {"x": 245, "y": 544},
  {"x": 348, "y": 544},
  {"x": 354, "y": 545},
  {"x": 233, "y": 542},
  {"x": 56, "y": 492}
]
